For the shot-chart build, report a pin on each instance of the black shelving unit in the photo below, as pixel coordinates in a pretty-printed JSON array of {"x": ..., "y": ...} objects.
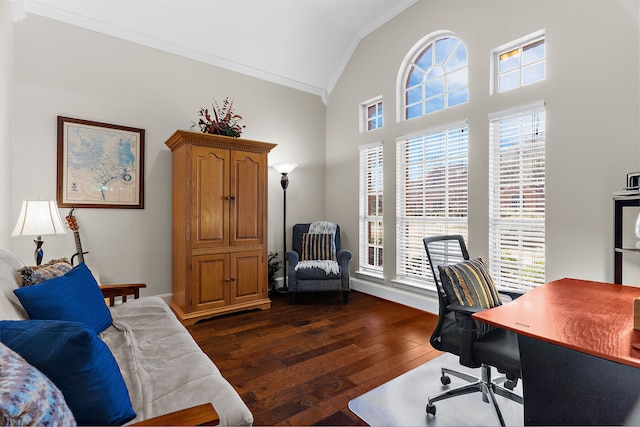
[{"x": 621, "y": 202}]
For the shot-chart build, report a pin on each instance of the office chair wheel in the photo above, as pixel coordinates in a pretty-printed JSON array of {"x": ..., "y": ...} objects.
[
  {"x": 511, "y": 382},
  {"x": 445, "y": 380},
  {"x": 431, "y": 408}
]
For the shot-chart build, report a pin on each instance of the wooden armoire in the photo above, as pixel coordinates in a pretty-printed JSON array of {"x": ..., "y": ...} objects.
[{"x": 220, "y": 262}]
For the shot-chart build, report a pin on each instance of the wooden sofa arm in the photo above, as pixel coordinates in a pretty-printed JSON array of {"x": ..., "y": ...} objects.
[
  {"x": 123, "y": 290},
  {"x": 200, "y": 415}
]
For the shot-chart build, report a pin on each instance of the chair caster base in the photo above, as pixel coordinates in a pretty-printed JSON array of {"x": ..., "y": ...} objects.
[{"x": 431, "y": 408}]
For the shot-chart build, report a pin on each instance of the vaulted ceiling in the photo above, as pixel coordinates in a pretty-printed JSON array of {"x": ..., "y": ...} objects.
[{"x": 304, "y": 44}]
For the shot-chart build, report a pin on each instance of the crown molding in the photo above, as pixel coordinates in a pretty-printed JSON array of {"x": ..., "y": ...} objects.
[{"x": 43, "y": 9}]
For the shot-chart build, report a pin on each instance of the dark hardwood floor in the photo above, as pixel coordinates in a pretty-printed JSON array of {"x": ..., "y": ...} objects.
[{"x": 301, "y": 364}]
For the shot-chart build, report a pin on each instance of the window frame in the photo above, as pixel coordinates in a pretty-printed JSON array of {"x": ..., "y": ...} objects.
[
  {"x": 371, "y": 176},
  {"x": 364, "y": 114},
  {"x": 525, "y": 234},
  {"x": 411, "y": 261},
  {"x": 519, "y": 45},
  {"x": 406, "y": 68}
]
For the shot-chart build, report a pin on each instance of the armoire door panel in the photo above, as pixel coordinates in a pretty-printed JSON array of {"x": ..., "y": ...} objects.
[
  {"x": 210, "y": 200},
  {"x": 246, "y": 182},
  {"x": 211, "y": 279},
  {"x": 247, "y": 271}
]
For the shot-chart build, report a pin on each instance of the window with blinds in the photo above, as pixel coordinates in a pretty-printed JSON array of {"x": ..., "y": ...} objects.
[
  {"x": 517, "y": 197},
  {"x": 432, "y": 195},
  {"x": 371, "y": 201}
]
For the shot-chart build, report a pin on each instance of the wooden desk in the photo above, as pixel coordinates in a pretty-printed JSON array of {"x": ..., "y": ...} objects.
[{"x": 579, "y": 366}]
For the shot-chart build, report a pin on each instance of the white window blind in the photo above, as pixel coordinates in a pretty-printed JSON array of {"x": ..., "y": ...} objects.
[
  {"x": 371, "y": 204},
  {"x": 517, "y": 197},
  {"x": 432, "y": 195}
]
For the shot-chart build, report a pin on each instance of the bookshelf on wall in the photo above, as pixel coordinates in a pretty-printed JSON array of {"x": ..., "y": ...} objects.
[{"x": 621, "y": 201}]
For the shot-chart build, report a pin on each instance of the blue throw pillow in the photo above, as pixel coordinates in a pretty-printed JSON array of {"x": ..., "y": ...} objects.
[
  {"x": 78, "y": 363},
  {"x": 75, "y": 296}
]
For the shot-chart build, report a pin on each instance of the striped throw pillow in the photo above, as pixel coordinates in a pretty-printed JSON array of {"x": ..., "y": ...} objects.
[
  {"x": 469, "y": 284},
  {"x": 318, "y": 247}
]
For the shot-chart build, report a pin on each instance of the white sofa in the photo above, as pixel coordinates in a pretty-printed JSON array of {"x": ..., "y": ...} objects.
[{"x": 162, "y": 366}]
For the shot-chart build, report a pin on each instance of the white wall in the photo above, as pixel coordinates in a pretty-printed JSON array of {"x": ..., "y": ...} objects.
[
  {"x": 65, "y": 70},
  {"x": 6, "y": 77},
  {"x": 591, "y": 93}
]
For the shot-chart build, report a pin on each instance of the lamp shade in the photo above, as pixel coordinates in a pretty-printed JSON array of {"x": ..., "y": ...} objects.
[
  {"x": 285, "y": 167},
  {"x": 39, "y": 218}
]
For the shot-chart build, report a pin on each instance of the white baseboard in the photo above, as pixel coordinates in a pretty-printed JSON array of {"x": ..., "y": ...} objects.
[{"x": 412, "y": 299}]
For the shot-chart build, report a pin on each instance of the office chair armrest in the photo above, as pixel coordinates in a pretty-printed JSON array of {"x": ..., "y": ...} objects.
[
  {"x": 465, "y": 310},
  {"x": 467, "y": 330},
  {"x": 513, "y": 294}
]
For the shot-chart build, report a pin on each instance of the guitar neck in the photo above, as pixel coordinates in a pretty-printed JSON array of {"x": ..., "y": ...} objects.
[{"x": 76, "y": 237}]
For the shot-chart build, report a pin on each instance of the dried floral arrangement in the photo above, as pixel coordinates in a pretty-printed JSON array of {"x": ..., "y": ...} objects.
[{"x": 224, "y": 120}]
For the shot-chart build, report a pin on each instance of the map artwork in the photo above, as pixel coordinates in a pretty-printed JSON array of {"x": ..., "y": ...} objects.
[{"x": 101, "y": 165}]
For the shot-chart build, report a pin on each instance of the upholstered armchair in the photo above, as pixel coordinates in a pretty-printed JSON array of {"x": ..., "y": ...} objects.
[{"x": 316, "y": 263}]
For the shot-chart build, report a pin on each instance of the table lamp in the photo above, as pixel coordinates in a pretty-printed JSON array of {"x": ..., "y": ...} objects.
[{"x": 39, "y": 218}]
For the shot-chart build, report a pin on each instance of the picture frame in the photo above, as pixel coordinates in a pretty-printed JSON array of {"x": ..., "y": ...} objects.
[{"x": 100, "y": 165}]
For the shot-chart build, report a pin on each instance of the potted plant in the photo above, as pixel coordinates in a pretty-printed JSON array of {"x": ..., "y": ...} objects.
[
  {"x": 224, "y": 121},
  {"x": 274, "y": 266}
]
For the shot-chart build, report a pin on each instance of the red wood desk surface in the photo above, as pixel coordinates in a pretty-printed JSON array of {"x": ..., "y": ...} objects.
[{"x": 591, "y": 317}]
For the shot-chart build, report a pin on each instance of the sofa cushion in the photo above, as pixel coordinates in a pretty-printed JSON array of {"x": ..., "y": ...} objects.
[
  {"x": 78, "y": 362},
  {"x": 10, "y": 307},
  {"x": 164, "y": 368},
  {"x": 318, "y": 247},
  {"x": 32, "y": 274},
  {"x": 28, "y": 397},
  {"x": 75, "y": 296}
]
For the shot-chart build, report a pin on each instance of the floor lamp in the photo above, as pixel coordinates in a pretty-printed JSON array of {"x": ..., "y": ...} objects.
[{"x": 284, "y": 169}]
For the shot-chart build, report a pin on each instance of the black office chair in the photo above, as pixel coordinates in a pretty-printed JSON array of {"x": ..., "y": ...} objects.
[{"x": 457, "y": 333}]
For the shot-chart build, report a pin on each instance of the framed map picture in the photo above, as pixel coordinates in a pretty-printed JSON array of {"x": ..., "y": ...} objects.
[{"x": 100, "y": 165}]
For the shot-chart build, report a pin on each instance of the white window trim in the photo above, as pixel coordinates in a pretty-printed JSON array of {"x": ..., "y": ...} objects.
[
  {"x": 404, "y": 69},
  {"x": 364, "y": 116},
  {"x": 505, "y": 114},
  {"x": 517, "y": 110},
  {"x": 364, "y": 267},
  {"x": 493, "y": 60},
  {"x": 402, "y": 279}
]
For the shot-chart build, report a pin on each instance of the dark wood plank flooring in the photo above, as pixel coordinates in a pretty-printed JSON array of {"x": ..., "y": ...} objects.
[{"x": 301, "y": 364}]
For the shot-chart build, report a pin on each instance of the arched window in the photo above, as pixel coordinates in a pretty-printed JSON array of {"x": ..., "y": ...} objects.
[{"x": 435, "y": 75}]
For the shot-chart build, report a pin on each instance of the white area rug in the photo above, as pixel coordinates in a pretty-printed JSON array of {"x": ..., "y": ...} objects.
[{"x": 402, "y": 401}]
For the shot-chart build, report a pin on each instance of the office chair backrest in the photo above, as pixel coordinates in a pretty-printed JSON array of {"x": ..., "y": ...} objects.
[{"x": 444, "y": 250}]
